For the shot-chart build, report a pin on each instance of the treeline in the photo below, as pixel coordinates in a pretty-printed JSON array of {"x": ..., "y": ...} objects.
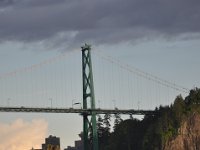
[{"x": 153, "y": 131}]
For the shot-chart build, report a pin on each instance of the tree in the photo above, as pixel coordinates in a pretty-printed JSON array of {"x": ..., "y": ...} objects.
[
  {"x": 106, "y": 121},
  {"x": 178, "y": 110},
  {"x": 194, "y": 97},
  {"x": 103, "y": 126},
  {"x": 117, "y": 121},
  {"x": 154, "y": 131},
  {"x": 128, "y": 135},
  {"x": 100, "y": 126}
]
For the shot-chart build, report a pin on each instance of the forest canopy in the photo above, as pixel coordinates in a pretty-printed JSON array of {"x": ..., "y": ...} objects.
[{"x": 134, "y": 134}]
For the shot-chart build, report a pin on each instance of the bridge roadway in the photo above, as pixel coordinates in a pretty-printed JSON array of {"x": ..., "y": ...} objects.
[{"x": 74, "y": 110}]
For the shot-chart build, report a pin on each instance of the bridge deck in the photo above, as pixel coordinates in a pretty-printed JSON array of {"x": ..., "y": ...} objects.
[{"x": 73, "y": 110}]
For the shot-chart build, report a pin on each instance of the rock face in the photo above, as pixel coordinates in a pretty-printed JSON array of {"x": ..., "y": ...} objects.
[{"x": 188, "y": 137}]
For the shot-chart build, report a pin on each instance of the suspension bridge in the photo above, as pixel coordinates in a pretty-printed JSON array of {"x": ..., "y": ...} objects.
[{"x": 55, "y": 86}]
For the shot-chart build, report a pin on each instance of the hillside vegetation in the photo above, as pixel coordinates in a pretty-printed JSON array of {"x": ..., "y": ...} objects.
[{"x": 171, "y": 128}]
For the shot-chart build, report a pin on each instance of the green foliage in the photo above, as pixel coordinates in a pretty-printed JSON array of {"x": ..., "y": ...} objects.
[
  {"x": 100, "y": 126},
  {"x": 153, "y": 131},
  {"x": 127, "y": 135},
  {"x": 103, "y": 129},
  {"x": 117, "y": 121},
  {"x": 193, "y": 98},
  {"x": 106, "y": 121},
  {"x": 193, "y": 101}
]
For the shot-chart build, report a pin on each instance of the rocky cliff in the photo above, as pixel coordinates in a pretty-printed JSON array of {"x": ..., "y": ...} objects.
[{"x": 188, "y": 137}]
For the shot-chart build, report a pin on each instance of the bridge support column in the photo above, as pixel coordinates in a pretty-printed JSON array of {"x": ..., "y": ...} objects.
[{"x": 89, "y": 120}]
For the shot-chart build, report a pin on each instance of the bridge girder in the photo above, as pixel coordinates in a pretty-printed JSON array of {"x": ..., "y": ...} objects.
[{"x": 79, "y": 111}]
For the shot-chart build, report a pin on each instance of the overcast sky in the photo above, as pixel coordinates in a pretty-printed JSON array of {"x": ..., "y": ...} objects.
[
  {"x": 161, "y": 37},
  {"x": 99, "y": 22}
]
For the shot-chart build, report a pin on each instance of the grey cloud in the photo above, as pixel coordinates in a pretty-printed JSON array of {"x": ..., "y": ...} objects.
[
  {"x": 31, "y": 3},
  {"x": 101, "y": 22}
]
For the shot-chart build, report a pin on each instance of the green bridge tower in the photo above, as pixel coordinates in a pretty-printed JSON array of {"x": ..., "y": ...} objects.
[{"x": 89, "y": 120}]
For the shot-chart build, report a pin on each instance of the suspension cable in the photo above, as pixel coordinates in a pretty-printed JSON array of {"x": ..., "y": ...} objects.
[{"x": 140, "y": 73}]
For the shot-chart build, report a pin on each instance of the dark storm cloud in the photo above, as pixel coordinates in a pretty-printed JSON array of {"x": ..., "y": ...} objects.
[{"x": 105, "y": 21}]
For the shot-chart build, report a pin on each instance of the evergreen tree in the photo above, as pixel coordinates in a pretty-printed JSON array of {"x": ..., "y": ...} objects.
[
  {"x": 104, "y": 131},
  {"x": 154, "y": 131},
  {"x": 178, "y": 110},
  {"x": 106, "y": 121},
  {"x": 117, "y": 121},
  {"x": 100, "y": 126}
]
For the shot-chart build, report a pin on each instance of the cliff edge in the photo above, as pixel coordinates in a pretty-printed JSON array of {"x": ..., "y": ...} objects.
[{"x": 188, "y": 137}]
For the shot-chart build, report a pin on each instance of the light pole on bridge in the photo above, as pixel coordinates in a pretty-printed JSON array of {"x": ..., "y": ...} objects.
[
  {"x": 8, "y": 102},
  {"x": 114, "y": 104},
  {"x": 50, "y": 99},
  {"x": 99, "y": 103}
]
